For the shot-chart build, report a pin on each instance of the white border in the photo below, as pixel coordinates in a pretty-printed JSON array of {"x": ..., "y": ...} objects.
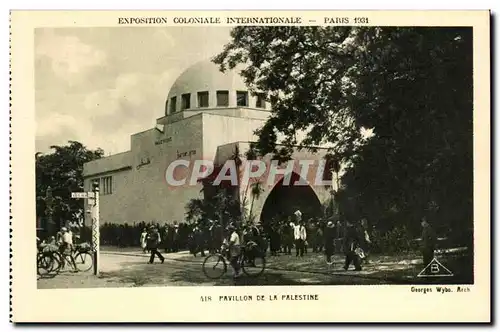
[{"x": 145, "y": 4}]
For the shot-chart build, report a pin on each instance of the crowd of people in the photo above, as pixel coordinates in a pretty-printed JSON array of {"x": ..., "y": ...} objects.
[
  {"x": 289, "y": 235},
  {"x": 326, "y": 237},
  {"x": 353, "y": 239}
]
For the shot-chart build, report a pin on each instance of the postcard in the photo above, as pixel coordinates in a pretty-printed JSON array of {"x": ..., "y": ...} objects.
[{"x": 250, "y": 166}]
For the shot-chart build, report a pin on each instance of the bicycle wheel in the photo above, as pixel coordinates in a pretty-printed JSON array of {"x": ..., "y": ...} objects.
[
  {"x": 84, "y": 261},
  {"x": 45, "y": 264},
  {"x": 214, "y": 266},
  {"x": 255, "y": 267},
  {"x": 57, "y": 259}
]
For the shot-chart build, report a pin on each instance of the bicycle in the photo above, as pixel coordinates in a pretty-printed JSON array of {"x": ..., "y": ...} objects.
[
  {"x": 44, "y": 263},
  {"x": 45, "y": 258},
  {"x": 53, "y": 261},
  {"x": 215, "y": 265},
  {"x": 83, "y": 258}
]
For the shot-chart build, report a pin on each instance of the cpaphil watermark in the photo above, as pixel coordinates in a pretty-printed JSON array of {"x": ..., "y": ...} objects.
[{"x": 292, "y": 173}]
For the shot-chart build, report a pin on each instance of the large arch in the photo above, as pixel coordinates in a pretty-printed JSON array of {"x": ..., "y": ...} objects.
[{"x": 283, "y": 200}]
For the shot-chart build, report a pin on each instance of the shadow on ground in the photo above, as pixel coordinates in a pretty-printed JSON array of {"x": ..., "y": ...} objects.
[
  {"x": 177, "y": 273},
  {"x": 184, "y": 273},
  {"x": 291, "y": 270}
]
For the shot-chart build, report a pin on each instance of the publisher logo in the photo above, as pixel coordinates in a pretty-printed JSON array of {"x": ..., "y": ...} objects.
[{"x": 435, "y": 269}]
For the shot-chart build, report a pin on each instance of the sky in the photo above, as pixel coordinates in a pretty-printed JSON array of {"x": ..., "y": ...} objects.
[{"x": 100, "y": 85}]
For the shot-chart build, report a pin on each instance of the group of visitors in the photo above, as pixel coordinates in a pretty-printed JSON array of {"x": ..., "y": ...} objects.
[{"x": 174, "y": 234}]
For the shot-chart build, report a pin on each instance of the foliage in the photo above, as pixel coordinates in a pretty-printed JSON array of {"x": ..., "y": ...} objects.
[
  {"x": 395, "y": 241},
  {"x": 394, "y": 104},
  {"x": 62, "y": 171},
  {"x": 220, "y": 202}
]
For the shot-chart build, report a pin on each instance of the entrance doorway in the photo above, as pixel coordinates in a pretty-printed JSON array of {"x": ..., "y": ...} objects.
[{"x": 284, "y": 200}]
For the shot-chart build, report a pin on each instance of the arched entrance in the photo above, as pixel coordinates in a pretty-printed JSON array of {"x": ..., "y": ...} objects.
[{"x": 284, "y": 200}]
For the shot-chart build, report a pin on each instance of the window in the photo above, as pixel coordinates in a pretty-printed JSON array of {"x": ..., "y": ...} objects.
[
  {"x": 173, "y": 105},
  {"x": 259, "y": 101},
  {"x": 241, "y": 98},
  {"x": 106, "y": 185},
  {"x": 203, "y": 99},
  {"x": 222, "y": 98},
  {"x": 186, "y": 101}
]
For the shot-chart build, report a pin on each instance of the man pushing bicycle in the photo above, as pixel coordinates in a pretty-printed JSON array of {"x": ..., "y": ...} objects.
[{"x": 234, "y": 247}]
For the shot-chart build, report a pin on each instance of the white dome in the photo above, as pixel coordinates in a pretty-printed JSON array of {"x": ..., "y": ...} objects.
[{"x": 205, "y": 77}]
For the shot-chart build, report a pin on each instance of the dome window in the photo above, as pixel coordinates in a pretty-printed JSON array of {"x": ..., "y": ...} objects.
[
  {"x": 223, "y": 98},
  {"x": 203, "y": 99},
  {"x": 241, "y": 98},
  {"x": 173, "y": 105},
  {"x": 186, "y": 101}
]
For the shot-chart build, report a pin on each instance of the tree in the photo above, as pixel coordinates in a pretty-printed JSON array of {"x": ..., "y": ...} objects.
[
  {"x": 255, "y": 191},
  {"x": 62, "y": 171},
  {"x": 411, "y": 88}
]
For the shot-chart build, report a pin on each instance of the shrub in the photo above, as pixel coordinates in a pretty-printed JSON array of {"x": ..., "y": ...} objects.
[{"x": 395, "y": 241}]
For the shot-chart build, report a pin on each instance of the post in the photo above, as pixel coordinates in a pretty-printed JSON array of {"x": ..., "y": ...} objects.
[
  {"x": 95, "y": 227},
  {"x": 49, "y": 203}
]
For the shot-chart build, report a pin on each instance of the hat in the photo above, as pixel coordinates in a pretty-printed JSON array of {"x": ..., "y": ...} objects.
[
  {"x": 329, "y": 224},
  {"x": 64, "y": 229},
  {"x": 298, "y": 213}
]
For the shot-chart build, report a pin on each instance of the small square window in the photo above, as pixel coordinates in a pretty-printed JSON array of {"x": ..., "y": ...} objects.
[
  {"x": 241, "y": 98},
  {"x": 222, "y": 98},
  {"x": 259, "y": 101},
  {"x": 203, "y": 99},
  {"x": 173, "y": 105},
  {"x": 186, "y": 101}
]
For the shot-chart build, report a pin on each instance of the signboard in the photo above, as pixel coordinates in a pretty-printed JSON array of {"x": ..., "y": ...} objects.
[{"x": 82, "y": 194}]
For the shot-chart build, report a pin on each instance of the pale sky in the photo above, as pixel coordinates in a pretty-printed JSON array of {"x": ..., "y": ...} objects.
[{"x": 100, "y": 85}]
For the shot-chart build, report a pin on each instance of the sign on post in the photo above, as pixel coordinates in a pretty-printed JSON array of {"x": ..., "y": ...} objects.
[
  {"x": 82, "y": 194},
  {"x": 93, "y": 202}
]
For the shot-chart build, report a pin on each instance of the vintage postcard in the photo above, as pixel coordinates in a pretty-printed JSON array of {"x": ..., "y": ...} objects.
[{"x": 258, "y": 166}]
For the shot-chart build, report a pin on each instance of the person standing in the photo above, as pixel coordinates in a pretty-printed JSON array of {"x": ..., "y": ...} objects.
[
  {"x": 351, "y": 244},
  {"x": 154, "y": 241},
  {"x": 365, "y": 240},
  {"x": 329, "y": 237},
  {"x": 175, "y": 239},
  {"x": 274, "y": 239},
  {"x": 66, "y": 248},
  {"x": 300, "y": 234},
  {"x": 144, "y": 235},
  {"x": 234, "y": 247},
  {"x": 428, "y": 242}
]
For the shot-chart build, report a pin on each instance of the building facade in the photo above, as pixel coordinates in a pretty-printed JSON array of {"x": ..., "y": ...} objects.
[{"x": 208, "y": 116}]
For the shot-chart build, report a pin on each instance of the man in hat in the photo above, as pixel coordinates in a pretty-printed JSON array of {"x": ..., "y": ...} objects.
[
  {"x": 154, "y": 241},
  {"x": 175, "y": 237}
]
